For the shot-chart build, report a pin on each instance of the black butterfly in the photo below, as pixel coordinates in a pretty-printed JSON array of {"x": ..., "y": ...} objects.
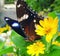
[{"x": 26, "y": 21}]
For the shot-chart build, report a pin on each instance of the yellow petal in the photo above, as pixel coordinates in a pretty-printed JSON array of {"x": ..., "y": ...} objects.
[
  {"x": 41, "y": 32},
  {"x": 49, "y": 37},
  {"x": 42, "y": 23},
  {"x": 38, "y": 27},
  {"x": 56, "y": 43}
]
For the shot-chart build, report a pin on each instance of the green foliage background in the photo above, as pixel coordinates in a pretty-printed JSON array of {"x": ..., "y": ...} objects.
[
  {"x": 56, "y": 6},
  {"x": 39, "y": 5},
  {"x": 9, "y": 1}
]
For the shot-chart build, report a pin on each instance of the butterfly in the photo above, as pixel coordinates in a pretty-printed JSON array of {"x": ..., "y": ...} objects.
[{"x": 26, "y": 20}]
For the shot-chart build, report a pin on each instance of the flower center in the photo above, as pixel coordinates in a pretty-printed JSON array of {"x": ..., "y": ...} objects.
[{"x": 48, "y": 31}]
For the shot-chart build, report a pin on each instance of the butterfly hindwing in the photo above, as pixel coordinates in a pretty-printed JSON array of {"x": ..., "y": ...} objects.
[{"x": 15, "y": 26}]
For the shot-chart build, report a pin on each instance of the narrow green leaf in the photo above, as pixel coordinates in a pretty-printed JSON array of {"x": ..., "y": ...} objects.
[
  {"x": 1, "y": 44},
  {"x": 58, "y": 39},
  {"x": 6, "y": 50}
]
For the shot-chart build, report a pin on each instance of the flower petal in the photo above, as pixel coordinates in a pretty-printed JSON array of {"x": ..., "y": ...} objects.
[{"x": 49, "y": 37}]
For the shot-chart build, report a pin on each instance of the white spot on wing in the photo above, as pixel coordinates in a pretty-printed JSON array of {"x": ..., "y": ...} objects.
[
  {"x": 18, "y": 5},
  {"x": 15, "y": 24},
  {"x": 25, "y": 16},
  {"x": 22, "y": 28},
  {"x": 6, "y": 19},
  {"x": 34, "y": 21}
]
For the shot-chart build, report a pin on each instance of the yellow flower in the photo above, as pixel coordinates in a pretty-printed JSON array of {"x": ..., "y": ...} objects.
[
  {"x": 56, "y": 43},
  {"x": 6, "y": 28},
  {"x": 36, "y": 48},
  {"x": 1, "y": 30},
  {"x": 47, "y": 27}
]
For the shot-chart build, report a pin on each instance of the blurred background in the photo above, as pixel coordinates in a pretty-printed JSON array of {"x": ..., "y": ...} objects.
[{"x": 7, "y": 9}]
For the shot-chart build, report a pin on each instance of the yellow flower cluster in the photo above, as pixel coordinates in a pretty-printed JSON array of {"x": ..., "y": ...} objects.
[
  {"x": 47, "y": 27},
  {"x": 36, "y": 48},
  {"x": 3, "y": 29}
]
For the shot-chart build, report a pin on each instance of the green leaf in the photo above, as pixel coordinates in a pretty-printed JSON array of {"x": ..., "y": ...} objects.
[
  {"x": 18, "y": 40},
  {"x": 6, "y": 50},
  {"x": 52, "y": 14},
  {"x": 55, "y": 52},
  {"x": 55, "y": 47},
  {"x": 1, "y": 44},
  {"x": 58, "y": 39},
  {"x": 23, "y": 52},
  {"x": 20, "y": 43},
  {"x": 43, "y": 39}
]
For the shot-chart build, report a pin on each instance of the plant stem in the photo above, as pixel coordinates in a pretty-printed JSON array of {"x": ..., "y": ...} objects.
[
  {"x": 55, "y": 37},
  {"x": 48, "y": 47},
  {"x": 17, "y": 52}
]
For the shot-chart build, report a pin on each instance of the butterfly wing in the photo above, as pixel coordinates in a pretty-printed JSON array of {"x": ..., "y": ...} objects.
[
  {"x": 15, "y": 26},
  {"x": 27, "y": 18},
  {"x": 24, "y": 12}
]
